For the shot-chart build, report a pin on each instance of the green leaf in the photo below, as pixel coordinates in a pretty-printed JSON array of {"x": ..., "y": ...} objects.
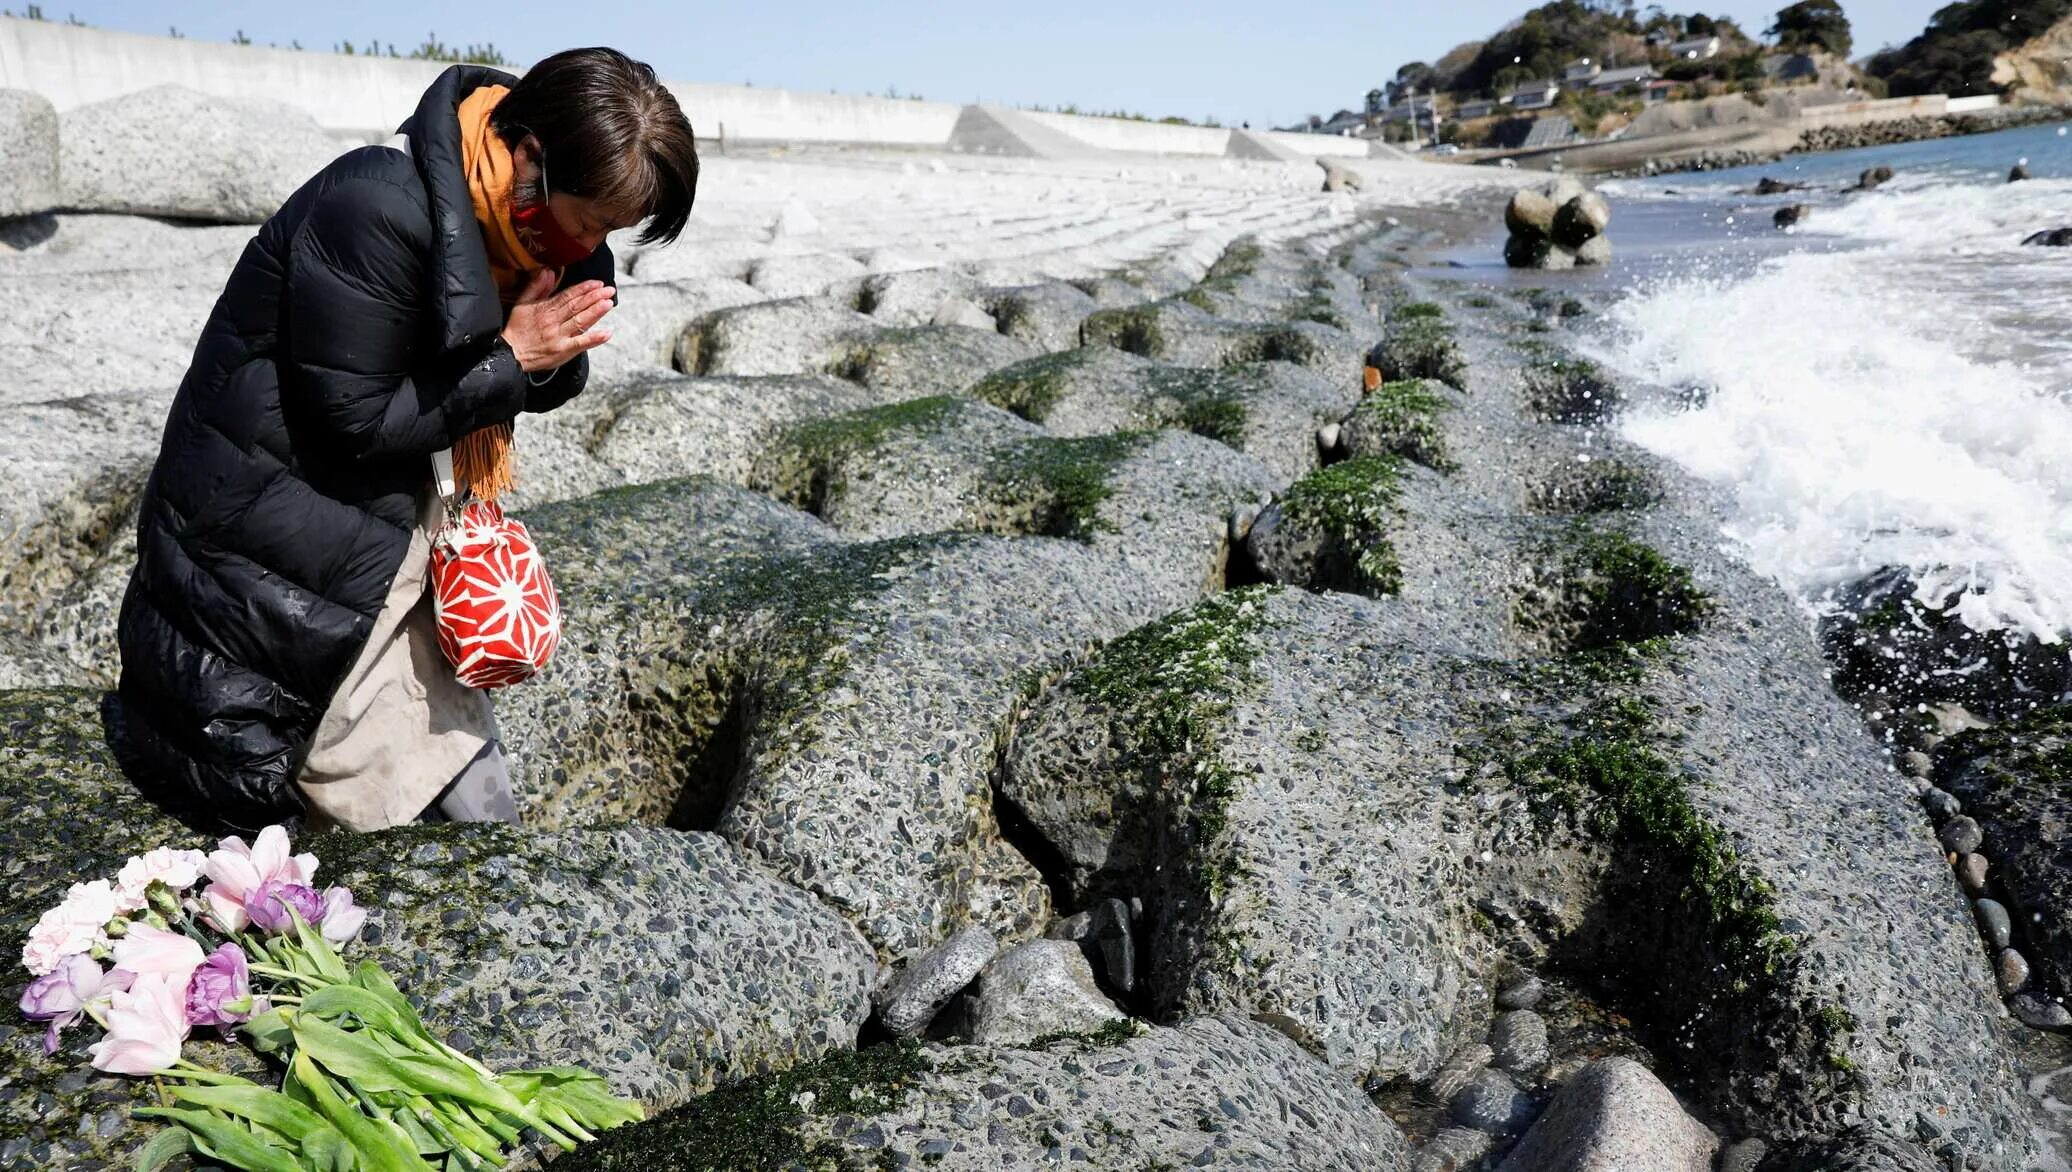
[
  {"x": 269, "y": 1108},
  {"x": 372, "y": 1008},
  {"x": 269, "y": 1032},
  {"x": 222, "y": 1140},
  {"x": 327, "y": 1151},
  {"x": 168, "y": 1145},
  {"x": 349, "y": 1055},
  {"x": 374, "y": 1149},
  {"x": 323, "y": 957}
]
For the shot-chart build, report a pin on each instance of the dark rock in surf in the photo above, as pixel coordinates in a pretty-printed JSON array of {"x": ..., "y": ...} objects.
[
  {"x": 1769, "y": 186},
  {"x": 2018, "y": 172},
  {"x": 1787, "y": 217},
  {"x": 2052, "y": 238},
  {"x": 1872, "y": 178}
]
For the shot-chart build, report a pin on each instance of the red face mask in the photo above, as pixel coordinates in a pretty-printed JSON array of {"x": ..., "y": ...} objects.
[{"x": 542, "y": 234}]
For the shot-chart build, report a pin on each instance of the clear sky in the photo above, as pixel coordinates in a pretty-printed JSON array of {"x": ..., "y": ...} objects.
[{"x": 1261, "y": 61}]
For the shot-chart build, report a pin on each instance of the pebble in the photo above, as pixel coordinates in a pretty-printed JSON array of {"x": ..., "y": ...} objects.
[
  {"x": 1743, "y": 1156},
  {"x": 1453, "y": 1149},
  {"x": 1961, "y": 835},
  {"x": 1942, "y": 804},
  {"x": 2040, "y": 1013},
  {"x": 1453, "y": 1077},
  {"x": 1523, "y": 993},
  {"x": 1519, "y": 1042},
  {"x": 1971, "y": 871},
  {"x": 2014, "y": 972},
  {"x": 1993, "y": 922},
  {"x": 1327, "y": 438},
  {"x": 1917, "y": 763},
  {"x": 1491, "y": 1102}
]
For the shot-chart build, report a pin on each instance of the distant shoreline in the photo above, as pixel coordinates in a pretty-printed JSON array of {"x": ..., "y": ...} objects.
[{"x": 1821, "y": 140}]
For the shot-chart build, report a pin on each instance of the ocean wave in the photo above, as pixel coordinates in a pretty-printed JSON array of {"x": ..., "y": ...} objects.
[{"x": 1871, "y": 406}]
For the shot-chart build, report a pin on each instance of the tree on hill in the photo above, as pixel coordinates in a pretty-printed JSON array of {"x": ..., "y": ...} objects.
[
  {"x": 1812, "y": 24},
  {"x": 1542, "y": 42},
  {"x": 1954, "y": 55}
]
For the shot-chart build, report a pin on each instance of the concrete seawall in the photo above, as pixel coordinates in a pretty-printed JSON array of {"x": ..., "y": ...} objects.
[{"x": 75, "y": 66}]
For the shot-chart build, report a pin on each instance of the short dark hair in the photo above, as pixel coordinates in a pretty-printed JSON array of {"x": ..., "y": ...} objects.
[{"x": 610, "y": 132}]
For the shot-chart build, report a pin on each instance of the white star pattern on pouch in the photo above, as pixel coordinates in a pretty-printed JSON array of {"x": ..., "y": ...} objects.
[{"x": 498, "y": 617}]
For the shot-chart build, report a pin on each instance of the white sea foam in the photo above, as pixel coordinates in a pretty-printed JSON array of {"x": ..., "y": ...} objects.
[{"x": 1901, "y": 403}]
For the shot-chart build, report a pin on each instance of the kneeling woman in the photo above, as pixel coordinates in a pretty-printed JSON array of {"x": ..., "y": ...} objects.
[{"x": 278, "y": 647}]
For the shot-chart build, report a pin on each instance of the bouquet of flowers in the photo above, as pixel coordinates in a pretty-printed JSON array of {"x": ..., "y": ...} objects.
[{"x": 241, "y": 940}]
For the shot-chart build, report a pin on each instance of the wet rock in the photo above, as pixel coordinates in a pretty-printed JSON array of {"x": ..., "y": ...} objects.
[
  {"x": 1530, "y": 212},
  {"x": 1993, "y": 922},
  {"x": 2012, "y": 779},
  {"x": 1492, "y": 1103},
  {"x": 1453, "y": 1149},
  {"x": 1917, "y": 764},
  {"x": 2040, "y": 1013},
  {"x": 1971, "y": 872},
  {"x": 1769, "y": 186},
  {"x": 1743, "y": 1156},
  {"x": 1523, "y": 993},
  {"x": 2012, "y": 970},
  {"x": 1873, "y": 177},
  {"x": 29, "y": 143},
  {"x": 1039, "y": 989},
  {"x": 1612, "y": 1115},
  {"x": 1860, "y": 1149},
  {"x": 1048, "y": 315},
  {"x": 1459, "y": 1069},
  {"x": 1581, "y": 220},
  {"x": 1960, "y": 835},
  {"x": 1941, "y": 803},
  {"x": 2050, "y": 237},
  {"x": 1595, "y": 251},
  {"x": 1212, "y": 1091},
  {"x": 170, "y": 151},
  {"x": 1519, "y": 1042},
  {"x": 1791, "y": 215},
  {"x": 1883, "y": 639},
  {"x": 1103, "y": 932},
  {"x": 2018, "y": 172},
  {"x": 912, "y": 1000}
]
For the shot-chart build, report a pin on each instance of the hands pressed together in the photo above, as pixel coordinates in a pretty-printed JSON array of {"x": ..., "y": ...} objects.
[{"x": 546, "y": 328}]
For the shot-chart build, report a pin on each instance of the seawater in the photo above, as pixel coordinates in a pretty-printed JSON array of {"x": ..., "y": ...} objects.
[{"x": 1888, "y": 384}]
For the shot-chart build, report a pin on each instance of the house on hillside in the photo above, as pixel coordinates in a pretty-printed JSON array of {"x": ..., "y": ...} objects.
[
  {"x": 1695, "y": 49},
  {"x": 1479, "y": 108},
  {"x": 1423, "y": 108},
  {"x": 1343, "y": 122},
  {"x": 1535, "y": 95},
  {"x": 1581, "y": 71},
  {"x": 1660, "y": 38},
  {"x": 1611, "y": 81}
]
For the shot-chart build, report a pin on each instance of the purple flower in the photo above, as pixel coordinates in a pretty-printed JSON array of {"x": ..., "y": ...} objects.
[
  {"x": 269, "y": 904},
  {"x": 342, "y": 918},
  {"x": 220, "y": 992},
  {"x": 61, "y": 996}
]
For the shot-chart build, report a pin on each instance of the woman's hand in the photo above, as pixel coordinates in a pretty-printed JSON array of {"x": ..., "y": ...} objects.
[{"x": 547, "y": 328}]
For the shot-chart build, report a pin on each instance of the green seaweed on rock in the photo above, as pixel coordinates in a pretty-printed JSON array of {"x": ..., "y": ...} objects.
[
  {"x": 1067, "y": 479},
  {"x": 1353, "y": 502},
  {"x": 1404, "y": 416}
]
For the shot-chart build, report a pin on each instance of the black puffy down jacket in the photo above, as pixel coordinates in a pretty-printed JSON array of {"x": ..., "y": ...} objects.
[{"x": 358, "y": 334}]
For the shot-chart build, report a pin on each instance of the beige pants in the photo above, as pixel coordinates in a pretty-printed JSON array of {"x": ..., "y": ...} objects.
[{"x": 401, "y": 728}]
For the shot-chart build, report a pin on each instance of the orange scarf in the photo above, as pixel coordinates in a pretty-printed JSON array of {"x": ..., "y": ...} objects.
[{"x": 482, "y": 459}]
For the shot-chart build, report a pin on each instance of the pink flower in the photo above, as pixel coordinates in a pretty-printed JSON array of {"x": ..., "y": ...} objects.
[
  {"x": 146, "y": 1024},
  {"x": 149, "y": 951},
  {"x": 269, "y": 906},
  {"x": 236, "y": 871},
  {"x": 63, "y": 995},
  {"x": 178, "y": 870},
  {"x": 342, "y": 917},
  {"x": 72, "y": 927},
  {"x": 220, "y": 992}
]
